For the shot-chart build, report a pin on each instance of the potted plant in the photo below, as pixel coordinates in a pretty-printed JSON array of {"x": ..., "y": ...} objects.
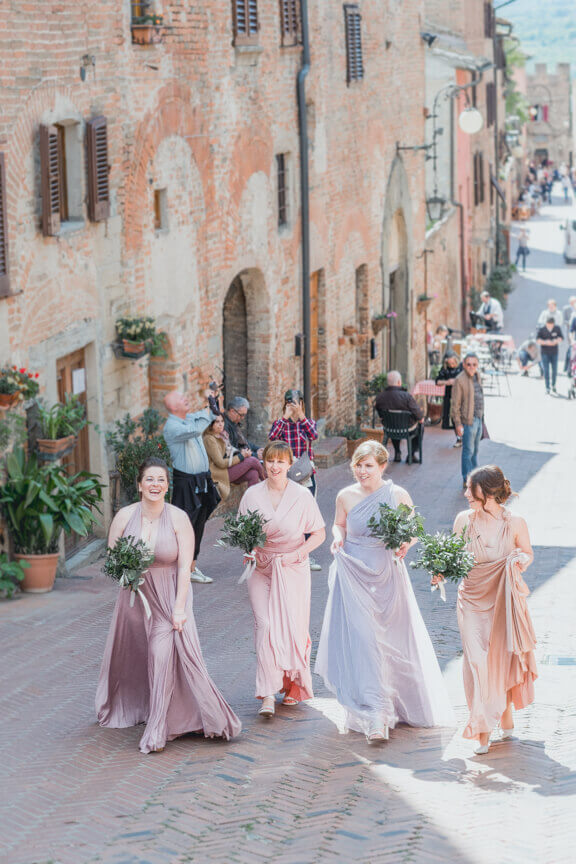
[
  {"x": 423, "y": 301},
  {"x": 133, "y": 441},
  {"x": 352, "y": 434},
  {"x": 60, "y": 426},
  {"x": 11, "y": 573},
  {"x": 366, "y": 394},
  {"x": 147, "y": 29},
  {"x": 39, "y": 502},
  {"x": 378, "y": 322},
  {"x": 138, "y": 336},
  {"x": 17, "y": 384}
]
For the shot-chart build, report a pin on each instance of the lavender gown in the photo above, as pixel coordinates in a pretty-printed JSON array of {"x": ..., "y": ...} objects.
[
  {"x": 375, "y": 653},
  {"x": 151, "y": 673}
]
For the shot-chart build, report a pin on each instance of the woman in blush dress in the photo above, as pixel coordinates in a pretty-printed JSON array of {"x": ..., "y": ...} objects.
[
  {"x": 375, "y": 653},
  {"x": 153, "y": 671},
  {"x": 497, "y": 633},
  {"x": 279, "y": 587}
]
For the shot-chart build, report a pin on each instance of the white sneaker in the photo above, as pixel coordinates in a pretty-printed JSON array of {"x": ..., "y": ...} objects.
[
  {"x": 314, "y": 564},
  {"x": 198, "y": 576}
]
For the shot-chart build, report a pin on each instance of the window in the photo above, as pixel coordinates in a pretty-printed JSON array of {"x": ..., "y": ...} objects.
[
  {"x": 160, "y": 210},
  {"x": 98, "y": 169},
  {"x": 478, "y": 165},
  {"x": 354, "y": 62},
  {"x": 61, "y": 163},
  {"x": 490, "y": 103},
  {"x": 291, "y": 22},
  {"x": 4, "y": 277},
  {"x": 245, "y": 15},
  {"x": 282, "y": 171},
  {"x": 488, "y": 21}
]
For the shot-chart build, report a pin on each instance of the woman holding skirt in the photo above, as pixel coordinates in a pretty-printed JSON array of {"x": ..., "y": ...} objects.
[
  {"x": 497, "y": 633},
  {"x": 279, "y": 587},
  {"x": 153, "y": 671},
  {"x": 375, "y": 653}
]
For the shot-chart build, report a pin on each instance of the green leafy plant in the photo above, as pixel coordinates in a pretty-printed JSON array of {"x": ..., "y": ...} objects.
[
  {"x": 499, "y": 283},
  {"x": 12, "y": 429},
  {"x": 244, "y": 532},
  {"x": 444, "y": 554},
  {"x": 133, "y": 441},
  {"x": 62, "y": 419},
  {"x": 395, "y": 525},
  {"x": 11, "y": 572},
  {"x": 14, "y": 380},
  {"x": 351, "y": 433},
  {"x": 41, "y": 501}
]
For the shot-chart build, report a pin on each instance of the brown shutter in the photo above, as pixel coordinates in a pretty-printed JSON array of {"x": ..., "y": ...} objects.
[
  {"x": 291, "y": 18},
  {"x": 354, "y": 61},
  {"x": 97, "y": 160},
  {"x": 245, "y": 14},
  {"x": 50, "y": 159},
  {"x": 4, "y": 277},
  {"x": 488, "y": 20}
]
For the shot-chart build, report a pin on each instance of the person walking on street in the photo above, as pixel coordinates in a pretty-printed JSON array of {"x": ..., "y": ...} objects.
[
  {"x": 194, "y": 490},
  {"x": 549, "y": 338},
  {"x": 395, "y": 398},
  {"x": 569, "y": 313},
  {"x": 498, "y": 638},
  {"x": 467, "y": 411},
  {"x": 522, "y": 251},
  {"x": 551, "y": 311}
]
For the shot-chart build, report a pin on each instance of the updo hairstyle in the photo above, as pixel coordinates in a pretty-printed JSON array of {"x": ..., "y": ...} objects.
[
  {"x": 489, "y": 481},
  {"x": 153, "y": 462},
  {"x": 369, "y": 448},
  {"x": 278, "y": 450}
]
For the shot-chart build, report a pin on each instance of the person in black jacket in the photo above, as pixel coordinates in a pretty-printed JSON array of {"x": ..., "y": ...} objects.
[
  {"x": 450, "y": 369},
  {"x": 549, "y": 338},
  {"x": 395, "y": 398}
]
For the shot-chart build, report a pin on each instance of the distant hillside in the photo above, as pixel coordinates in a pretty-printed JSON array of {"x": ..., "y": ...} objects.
[{"x": 546, "y": 28}]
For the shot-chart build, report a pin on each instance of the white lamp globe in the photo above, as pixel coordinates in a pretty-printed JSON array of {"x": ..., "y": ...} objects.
[{"x": 470, "y": 121}]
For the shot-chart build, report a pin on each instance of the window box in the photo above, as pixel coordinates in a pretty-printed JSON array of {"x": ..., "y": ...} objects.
[
  {"x": 133, "y": 350},
  {"x": 147, "y": 34}
]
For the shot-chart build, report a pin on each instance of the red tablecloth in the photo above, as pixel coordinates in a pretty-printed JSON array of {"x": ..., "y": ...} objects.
[{"x": 428, "y": 388}]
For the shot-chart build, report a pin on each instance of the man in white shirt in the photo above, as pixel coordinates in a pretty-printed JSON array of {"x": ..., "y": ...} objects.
[
  {"x": 551, "y": 311},
  {"x": 491, "y": 311}
]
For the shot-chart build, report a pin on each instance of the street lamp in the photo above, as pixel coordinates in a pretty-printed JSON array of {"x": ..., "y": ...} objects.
[
  {"x": 435, "y": 207},
  {"x": 470, "y": 120}
]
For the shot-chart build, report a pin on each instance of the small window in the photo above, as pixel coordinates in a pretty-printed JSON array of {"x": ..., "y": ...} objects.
[
  {"x": 354, "y": 60},
  {"x": 160, "y": 210},
  {"x": 4, "y": 277},
  {"x": 291, "y": 22},
  {"x": 245, "y": 21},
  {"x": 61, "y": 164},
  {"x": 282, "y": 170},
  {"x": 490, "y": 103},
  {"x": 488, "y": 21},
  {"x": 478, "y": 165}
]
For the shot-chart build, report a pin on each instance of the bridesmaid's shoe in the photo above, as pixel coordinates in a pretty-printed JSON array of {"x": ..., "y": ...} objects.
[
  {"x": 482, "y": 749},
  {"x": 506, "y": 733},
  {"x": 378, "y": 735},
  {"x": 288, "y": 700},
  {"x": 267, "y": 709}
]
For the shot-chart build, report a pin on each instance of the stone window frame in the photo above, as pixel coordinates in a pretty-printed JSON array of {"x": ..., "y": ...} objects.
[
  {"x": 62, "y": 164},
  {"x": 355, "y": 70}
]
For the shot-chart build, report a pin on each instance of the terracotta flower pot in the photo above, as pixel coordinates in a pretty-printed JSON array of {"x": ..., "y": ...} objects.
[
  {"x": 351, "y": 445},
  {"x": 9, "y": 400},
  {"x": 56, "y": 447},
  {"x": 378, "y": 325},
  {"x": 147, "y": 34},
  {"x": 39, "y": 577},
  {"x": 373, "y": 434}
]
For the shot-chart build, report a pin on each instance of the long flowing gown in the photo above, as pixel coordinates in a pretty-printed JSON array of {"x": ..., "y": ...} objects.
[
  {"x": 151, "y": 673},
  {"x": 375, "y": 653},
  {"x": 497, "y": 633},
  {"x": 279, "y": 591}
]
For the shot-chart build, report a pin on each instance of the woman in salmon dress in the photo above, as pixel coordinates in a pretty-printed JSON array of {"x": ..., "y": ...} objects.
[
  {"x": 279, "y": 587},
  {"x": 497, "y": 633},
  {"x": 375, "y": 653},
  {"x": 153, "y": 671}
]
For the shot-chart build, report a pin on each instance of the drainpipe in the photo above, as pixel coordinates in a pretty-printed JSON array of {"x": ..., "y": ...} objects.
[
  {"x": 460, "y": 206},
  {"x": 305, "y": 205}
]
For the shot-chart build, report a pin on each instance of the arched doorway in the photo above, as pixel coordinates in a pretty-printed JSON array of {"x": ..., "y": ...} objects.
[{"x": 246, "y": 341}]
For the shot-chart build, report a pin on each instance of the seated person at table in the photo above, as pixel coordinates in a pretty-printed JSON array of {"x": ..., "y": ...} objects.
[
  {"x": 491, "y": 311},
  {"x": 450, "y": 369},
  {"x": 395, "y": 398},
  {"x": 528, "y": 355}
]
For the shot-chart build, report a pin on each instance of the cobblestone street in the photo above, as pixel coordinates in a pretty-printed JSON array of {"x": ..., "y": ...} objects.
[{"x": 296, "y": 790}]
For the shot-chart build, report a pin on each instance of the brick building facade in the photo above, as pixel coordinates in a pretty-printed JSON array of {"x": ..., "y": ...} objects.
[{"x": 550, "y": 131}]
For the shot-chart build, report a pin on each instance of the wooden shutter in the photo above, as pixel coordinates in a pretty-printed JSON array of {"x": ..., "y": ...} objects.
[
  {"x": 50, "y": 160},
  {"x": 4, "y": 277},
  {"x": 97, "y": 162},
  {"x": 354, "y": 61},
  {"x": 291, "y": 22},
  {"x": 488, "y": 21},
  {"x": 245, "y": 13},
  {"x": 490, "y": 103}
]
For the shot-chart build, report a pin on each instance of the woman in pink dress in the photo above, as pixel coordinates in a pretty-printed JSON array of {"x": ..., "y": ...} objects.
[
  {"x": 279, "y": 587},
  {"x": 497, "y": 633},
  {"x": 153, "y": 671}
]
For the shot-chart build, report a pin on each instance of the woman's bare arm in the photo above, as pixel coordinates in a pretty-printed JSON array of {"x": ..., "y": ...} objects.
[
  {"x": 522, "y": 540},
  {"x": 185, "y": 535},
  {"x": 339, "y": 525}
]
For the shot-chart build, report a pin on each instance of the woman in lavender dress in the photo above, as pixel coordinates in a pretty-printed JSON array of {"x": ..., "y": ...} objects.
[
  {"x": 375, "y": 653},
  {"x": 153, "y": 671}
]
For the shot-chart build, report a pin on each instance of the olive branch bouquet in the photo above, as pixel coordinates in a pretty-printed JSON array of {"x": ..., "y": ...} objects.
[
  {"x": 444, "y": 554},
  {"x": 126, "y": 563},
  {"x": 244, "y": 532},
  {"x": 395, "y": 525}
]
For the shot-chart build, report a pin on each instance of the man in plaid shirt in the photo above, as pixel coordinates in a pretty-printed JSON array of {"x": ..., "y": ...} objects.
[{"x": 298, "y": 431}]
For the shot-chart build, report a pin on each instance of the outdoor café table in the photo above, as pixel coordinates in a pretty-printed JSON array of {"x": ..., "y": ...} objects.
[
  {"x": 429, "y": 388},
  {"x": 504, "y": 338}
]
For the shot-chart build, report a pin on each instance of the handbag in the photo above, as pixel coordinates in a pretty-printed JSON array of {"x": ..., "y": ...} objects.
[{"x": 301, "y": 469}]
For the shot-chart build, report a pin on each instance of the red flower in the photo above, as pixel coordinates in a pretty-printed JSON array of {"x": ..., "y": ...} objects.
[
  {"x": 30, "y": 375},
  {"x": 37, "y": 375},
  {"x": 22, "y": 371}
]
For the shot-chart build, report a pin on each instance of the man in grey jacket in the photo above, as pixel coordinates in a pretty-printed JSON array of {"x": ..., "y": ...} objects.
[{"x": 467, "y": 412}]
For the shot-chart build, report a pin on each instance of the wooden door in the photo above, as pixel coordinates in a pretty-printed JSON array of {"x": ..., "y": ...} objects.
[
  {"x": 314, "y": 280},
  {"x": 71, "y": 379}
]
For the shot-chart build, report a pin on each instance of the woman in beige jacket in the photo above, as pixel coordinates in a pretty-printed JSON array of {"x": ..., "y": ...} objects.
[{"x": 228, "y": 465}]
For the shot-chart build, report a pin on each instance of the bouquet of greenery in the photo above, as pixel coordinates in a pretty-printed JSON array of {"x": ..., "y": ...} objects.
[
  {"x": 246, "y": 533},
  {"x": 126, "y": 562},
  {"x": 395, "y": 525},
  {"x": 445, "y": 555}
]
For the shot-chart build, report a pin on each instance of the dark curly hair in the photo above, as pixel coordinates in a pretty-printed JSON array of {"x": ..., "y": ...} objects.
[{"x": 489, "y": 481}]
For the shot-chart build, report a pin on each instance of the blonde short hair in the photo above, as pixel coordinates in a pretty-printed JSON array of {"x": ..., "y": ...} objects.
[{"x": 370, "y": 448}]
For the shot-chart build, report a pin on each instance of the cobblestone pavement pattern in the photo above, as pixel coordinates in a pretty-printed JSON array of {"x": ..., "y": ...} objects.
[{"x": 295, "y": 790}]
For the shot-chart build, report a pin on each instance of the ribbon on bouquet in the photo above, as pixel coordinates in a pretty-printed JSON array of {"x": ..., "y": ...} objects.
[
  {"x": 440, "y": 587},
  {"x": 134, "y": 586},
  {"x": 250, "y": 557}
]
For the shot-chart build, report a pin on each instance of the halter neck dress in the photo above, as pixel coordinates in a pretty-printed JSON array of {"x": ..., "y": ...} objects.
[
  {"x": 375, "y": 653},
  {"x": 151, "y": 673}
]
